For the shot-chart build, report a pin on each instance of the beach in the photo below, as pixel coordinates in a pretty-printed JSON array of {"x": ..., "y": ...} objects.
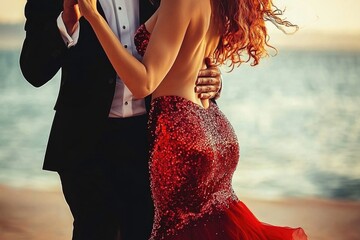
[
  {"x": 296, "y": 116},
  {"x": 43, "y": 215}
]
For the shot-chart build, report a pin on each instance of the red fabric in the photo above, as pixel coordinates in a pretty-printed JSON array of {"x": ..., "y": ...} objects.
[
  {"x": 193, "y": 155},
  {"x": 237, "y": 223}
]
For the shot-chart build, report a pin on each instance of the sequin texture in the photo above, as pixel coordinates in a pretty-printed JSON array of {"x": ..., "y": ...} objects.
[
  {"x": 193, "y": 155},
  {"x": 141, "y": 39}
]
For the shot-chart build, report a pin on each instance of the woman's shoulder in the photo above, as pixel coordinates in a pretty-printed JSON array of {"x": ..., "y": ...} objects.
[{"x": 185, "y": 5}]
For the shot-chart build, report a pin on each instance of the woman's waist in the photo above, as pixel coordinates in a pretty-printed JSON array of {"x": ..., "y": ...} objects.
[{"x": 190, "y": 100}]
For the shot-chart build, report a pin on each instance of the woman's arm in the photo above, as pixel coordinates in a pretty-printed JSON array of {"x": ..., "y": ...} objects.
[{"x": 142, "y": 78}]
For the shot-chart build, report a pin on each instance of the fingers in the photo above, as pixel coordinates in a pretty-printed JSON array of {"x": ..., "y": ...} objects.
[
  {"x": 210, "y": 95},
  {"x": 208, "y": 83},
  {"x": 209, "y": 72},
  {"x": 87, "y": 8},
  {"x": 210, "y": 63},
  {"x": 208, "y": 80},
  {"x": 207, "y": 89},
  {"x": 204, "y": 96},
  {"x": 212, "y": 69},
  {"x": 69, "y": 3}
]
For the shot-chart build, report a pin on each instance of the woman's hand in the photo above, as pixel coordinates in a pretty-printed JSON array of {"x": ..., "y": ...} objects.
[{"x": 88, "y": 8}]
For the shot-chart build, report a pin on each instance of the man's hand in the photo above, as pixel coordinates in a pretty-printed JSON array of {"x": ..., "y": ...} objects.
[
  {"x": 70, "y": 15},
  {"x": 208, "y": 83}
]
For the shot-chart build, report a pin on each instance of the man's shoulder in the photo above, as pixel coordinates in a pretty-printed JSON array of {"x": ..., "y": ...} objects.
[{"x": 44, "y": 7}]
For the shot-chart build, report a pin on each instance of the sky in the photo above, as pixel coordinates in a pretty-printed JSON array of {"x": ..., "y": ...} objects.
[
  {"x": 327, "y": 16},
  {"x": 324, "y": 24},
  {"x": 334, "y": 16}
]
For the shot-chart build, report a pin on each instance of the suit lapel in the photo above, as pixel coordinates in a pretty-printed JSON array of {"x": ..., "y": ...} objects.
[
  {"x": 146, "y": 10},
  {"x": 100, "y": 9}
]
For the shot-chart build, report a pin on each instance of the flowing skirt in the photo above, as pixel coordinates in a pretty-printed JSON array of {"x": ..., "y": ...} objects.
[{"x": 236, "y": 223}]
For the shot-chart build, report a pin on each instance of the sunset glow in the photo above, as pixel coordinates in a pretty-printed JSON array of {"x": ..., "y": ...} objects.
[
  {"x": 323, "y": 24},
  {"x": 333, "y": 16}
]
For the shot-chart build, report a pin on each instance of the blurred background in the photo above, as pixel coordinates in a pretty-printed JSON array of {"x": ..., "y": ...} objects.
[{"x": 297, "y": 114}]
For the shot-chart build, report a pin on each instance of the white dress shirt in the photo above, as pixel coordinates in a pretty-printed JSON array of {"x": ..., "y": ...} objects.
[{"x": 123, "y": 19}]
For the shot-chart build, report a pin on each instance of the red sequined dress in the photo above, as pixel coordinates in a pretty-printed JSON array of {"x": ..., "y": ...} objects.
[{"x": 194, "y": 153}]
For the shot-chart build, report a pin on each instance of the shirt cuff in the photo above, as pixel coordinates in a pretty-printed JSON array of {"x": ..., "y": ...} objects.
[{"x": 72, "y": 40}]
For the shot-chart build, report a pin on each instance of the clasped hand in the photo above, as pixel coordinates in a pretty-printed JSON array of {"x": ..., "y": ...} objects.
[
  {"x": 209, "y": 80},
  {"x": 87, "y": 8}
]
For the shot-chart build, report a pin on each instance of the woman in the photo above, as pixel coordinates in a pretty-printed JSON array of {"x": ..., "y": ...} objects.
[{"x": 194, "y": 150}]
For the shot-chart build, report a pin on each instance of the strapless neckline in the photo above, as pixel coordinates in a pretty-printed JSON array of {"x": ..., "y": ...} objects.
[
  {"x": 141, "y": 39},
  {"x": 182, "y": 100},
  {"x": 145, "y": 28}
]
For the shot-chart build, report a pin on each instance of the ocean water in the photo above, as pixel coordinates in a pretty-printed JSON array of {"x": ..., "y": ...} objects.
[{"x": 297, "y": 117}]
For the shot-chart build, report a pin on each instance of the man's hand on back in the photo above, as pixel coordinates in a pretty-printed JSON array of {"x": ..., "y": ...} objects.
[{"x": 208, "y": 84}]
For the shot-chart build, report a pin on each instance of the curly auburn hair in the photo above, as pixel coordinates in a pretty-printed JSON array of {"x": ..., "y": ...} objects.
[{"x": 242, "y": 29}]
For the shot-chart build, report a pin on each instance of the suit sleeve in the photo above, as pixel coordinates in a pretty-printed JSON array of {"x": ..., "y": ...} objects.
[{"x": 43, "y": 49}]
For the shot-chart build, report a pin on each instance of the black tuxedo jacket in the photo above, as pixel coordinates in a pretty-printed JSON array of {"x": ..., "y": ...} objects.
[{"x": 87, "y": 81}]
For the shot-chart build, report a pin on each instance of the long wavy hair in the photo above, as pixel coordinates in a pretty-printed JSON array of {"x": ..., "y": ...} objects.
[
  {"x": 243, "y": 34},
  {"x": 242, "y": 30}
]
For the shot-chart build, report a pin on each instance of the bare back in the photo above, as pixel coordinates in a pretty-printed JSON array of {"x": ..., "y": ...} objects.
[{"x": 200, "y": 41}]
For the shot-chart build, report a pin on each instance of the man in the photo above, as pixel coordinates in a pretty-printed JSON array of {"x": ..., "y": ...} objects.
[{"x": 98, "y": 141}]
